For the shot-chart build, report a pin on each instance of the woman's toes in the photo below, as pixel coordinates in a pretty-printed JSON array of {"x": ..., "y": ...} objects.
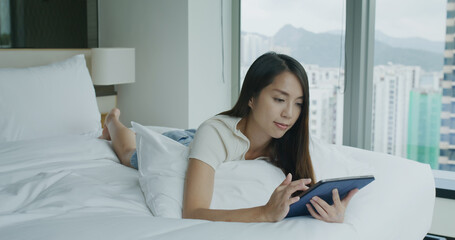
[
  {"x": 114, "y": 113},
  {"x": 105, "y": 135}
]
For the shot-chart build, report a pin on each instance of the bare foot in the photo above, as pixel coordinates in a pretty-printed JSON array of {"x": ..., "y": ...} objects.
[{"x": 113, "y": 114}]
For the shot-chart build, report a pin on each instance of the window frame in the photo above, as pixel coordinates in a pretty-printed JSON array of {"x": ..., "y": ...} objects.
[{"x": 357, "y": 117}]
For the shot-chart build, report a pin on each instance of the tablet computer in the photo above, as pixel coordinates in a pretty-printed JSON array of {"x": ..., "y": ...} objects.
[{"x": 323, "y": 189}]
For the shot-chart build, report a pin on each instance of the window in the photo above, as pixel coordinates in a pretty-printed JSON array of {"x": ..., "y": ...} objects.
[
  {"x": 313, "y": 34},
  {"x": 412, "y": 100},
  {"x": 409, "y": 57}
]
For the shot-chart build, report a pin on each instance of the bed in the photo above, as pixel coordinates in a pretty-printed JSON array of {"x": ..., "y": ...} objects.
[{"x": 59, "y": 181}]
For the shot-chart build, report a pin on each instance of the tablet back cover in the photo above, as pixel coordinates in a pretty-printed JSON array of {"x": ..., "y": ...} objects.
[{"x": 323, "y": 189}]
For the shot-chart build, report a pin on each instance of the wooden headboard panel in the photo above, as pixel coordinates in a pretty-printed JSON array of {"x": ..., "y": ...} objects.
[{"x": 35, "y": 57}]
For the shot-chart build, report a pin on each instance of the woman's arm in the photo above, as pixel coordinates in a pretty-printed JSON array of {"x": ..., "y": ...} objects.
[{"x": 198, "y": 196}]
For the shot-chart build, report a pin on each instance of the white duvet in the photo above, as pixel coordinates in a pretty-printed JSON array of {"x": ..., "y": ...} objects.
[{"x": 74, "y": 188}]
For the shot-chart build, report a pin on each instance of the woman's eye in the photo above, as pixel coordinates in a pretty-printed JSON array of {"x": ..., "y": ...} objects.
[
  {"x": 279, "y": 99},
  {"x": 299, "y": 104}
]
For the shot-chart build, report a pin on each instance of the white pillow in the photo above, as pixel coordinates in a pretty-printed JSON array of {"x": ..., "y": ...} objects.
[
  {"x": 162, "y": 167},
  {"x": 329, "y": 162},
  {"x": 49, "y": 100},
  {"x": 245, "y": 184}
]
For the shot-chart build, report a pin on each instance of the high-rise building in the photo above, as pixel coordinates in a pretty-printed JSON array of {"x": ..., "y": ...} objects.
[
  {"x": 391, "y": 87},
  {"x": 326, "y": 103},
  {"x": 253, "y": 46},
  {"x": 424, "y": 126},
  {"x": 447, "y": 130}
]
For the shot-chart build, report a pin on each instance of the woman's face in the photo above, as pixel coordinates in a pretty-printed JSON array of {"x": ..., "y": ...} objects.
[{"x": 278, "y": 105}]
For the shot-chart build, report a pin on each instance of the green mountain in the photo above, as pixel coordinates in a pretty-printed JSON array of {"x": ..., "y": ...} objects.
[{"x": 324, "y": 50}]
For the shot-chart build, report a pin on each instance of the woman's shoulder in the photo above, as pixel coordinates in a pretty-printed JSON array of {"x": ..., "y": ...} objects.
[
  {"x": 220, "y": 123},
  {"x": 217, "y": 140}
]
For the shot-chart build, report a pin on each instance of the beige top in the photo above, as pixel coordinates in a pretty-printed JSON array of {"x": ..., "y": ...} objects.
[{"x": 218, "y": 140}]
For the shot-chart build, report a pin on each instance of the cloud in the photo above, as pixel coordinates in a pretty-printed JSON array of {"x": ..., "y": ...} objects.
[
  {"x": 268, "y": 16},
  {"x": 403, "y": 18},
  {"x": 412, "y": 18}
]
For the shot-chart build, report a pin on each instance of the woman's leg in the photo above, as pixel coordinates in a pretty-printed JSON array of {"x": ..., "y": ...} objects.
[{"x": 123, "y": 139}]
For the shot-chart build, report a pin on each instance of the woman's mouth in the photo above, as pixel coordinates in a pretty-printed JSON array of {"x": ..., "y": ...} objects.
[{"x": 281, "y": 125}]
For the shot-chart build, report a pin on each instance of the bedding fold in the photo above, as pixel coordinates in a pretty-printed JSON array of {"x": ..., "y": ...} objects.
[
  {"x": 15, "y": 197},
  {"x": 58, "y": 175}
]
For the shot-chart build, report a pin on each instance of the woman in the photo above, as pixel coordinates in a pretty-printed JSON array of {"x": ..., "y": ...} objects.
[{"x": 269, "y": 121}]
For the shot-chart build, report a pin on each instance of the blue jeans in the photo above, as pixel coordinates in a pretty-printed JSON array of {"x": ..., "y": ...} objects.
[{"x": 182, "y": 136}]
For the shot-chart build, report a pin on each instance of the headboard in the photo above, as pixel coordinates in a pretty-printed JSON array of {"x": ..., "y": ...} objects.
[{"x": 37, "y": 57}]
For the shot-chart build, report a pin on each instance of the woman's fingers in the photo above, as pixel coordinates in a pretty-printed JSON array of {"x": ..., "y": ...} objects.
[
  {"x": 298, "y": 185},
  {"x": 287, "y": 180},
  {"x": 306, "y": 181},
  {"x": 278, "y": 205},
  {"x": 351, "y": 194},
  {"x": 313, "y": 212},
  {"x": 321, "y": 207},
  {"x": 321, "y": 203},
  {"x": 287, "y": 188},
  {"x": 293, "y": 200},
  {"x": 321, "y": 210},
  {"x": 336, "y": 197},
  {"x": 292, "y": 187}
]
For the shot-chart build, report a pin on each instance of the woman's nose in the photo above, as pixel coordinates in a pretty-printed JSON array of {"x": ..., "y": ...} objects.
[{"x": 287, "y": 111}]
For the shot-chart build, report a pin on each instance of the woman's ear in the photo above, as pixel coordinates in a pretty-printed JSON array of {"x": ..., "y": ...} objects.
[{"x": 250, "y": 103}]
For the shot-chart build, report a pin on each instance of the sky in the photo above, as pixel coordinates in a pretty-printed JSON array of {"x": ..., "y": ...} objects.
[{"x": 396, "y": 18}]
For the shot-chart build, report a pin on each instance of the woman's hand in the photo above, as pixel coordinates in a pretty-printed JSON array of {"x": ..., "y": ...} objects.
[
  {"x": 321, "y": 210},
  {"x": 278, "y": 206}
]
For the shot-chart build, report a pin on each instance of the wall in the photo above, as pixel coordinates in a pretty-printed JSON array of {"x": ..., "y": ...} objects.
[
  {"x": 158, "y": 32},
  {"x": 178, "y": 56},
  {"x": 209, "y": 92}
]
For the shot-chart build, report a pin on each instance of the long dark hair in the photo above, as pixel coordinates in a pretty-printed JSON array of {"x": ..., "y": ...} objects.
[{"x": 291, "y": 151}]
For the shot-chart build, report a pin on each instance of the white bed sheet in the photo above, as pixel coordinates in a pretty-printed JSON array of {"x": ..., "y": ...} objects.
[{"x": 74, "y": 188}]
